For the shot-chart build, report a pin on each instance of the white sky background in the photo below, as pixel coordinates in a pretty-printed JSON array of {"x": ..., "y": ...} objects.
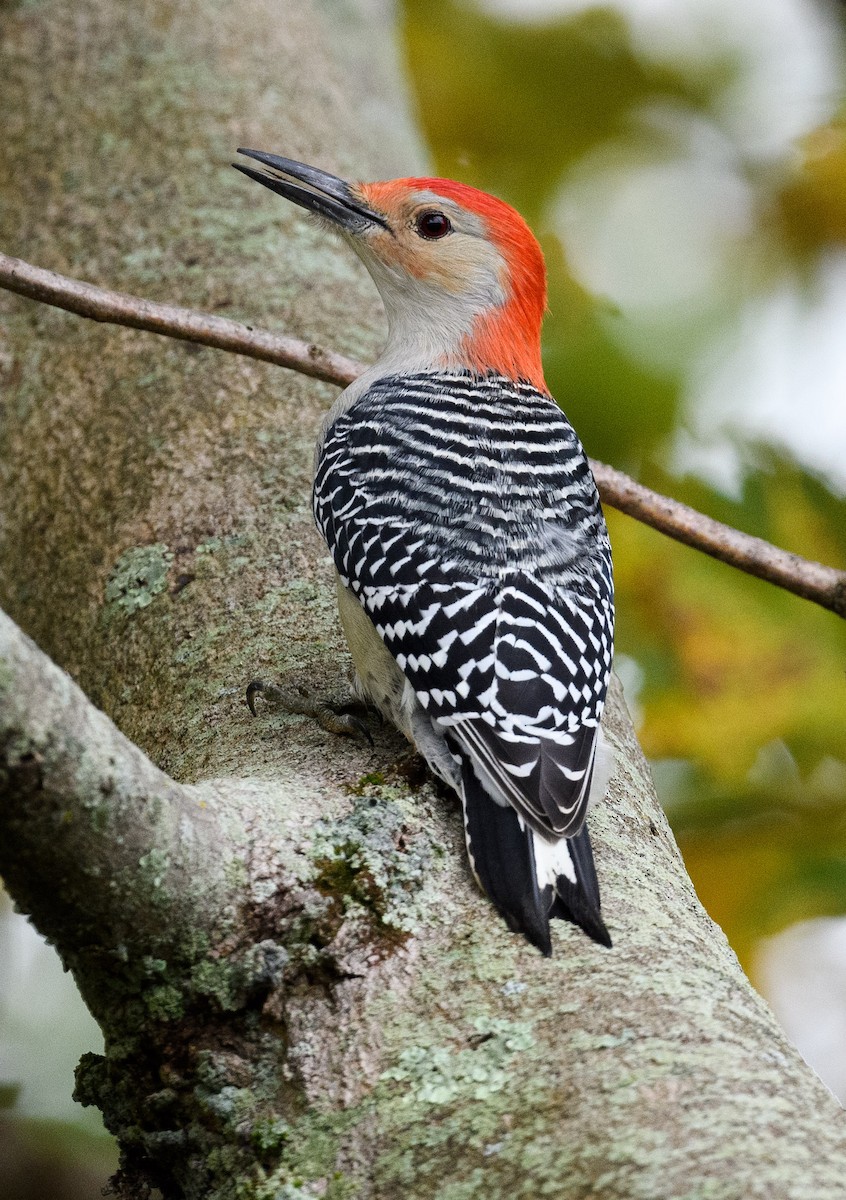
[
  {"x": 44, "y": 1025},
  {"x": 662, "y": 225},
  {"x": 809, "y": 960}
]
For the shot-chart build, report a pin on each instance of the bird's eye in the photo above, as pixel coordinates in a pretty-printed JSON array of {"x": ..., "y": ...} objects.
[{"x": 433, "y": 225}]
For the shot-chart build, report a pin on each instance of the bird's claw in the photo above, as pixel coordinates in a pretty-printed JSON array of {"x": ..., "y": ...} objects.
[
  {"x": 256, "y": 687},
  {"x": 339, "y": 719},
  {"x": 361, "y": 709},
  {"x": 345, "y": 723}
]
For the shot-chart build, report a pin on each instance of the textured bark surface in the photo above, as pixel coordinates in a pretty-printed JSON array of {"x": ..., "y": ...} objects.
[{"x": 301, "y": 991}]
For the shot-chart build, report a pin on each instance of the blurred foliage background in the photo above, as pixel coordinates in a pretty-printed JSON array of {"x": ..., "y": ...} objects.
[{"x": 684, "y": 163}]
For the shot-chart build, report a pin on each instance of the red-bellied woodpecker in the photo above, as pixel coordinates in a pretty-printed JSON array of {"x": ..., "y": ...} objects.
[{"x": 474, "y": 570}]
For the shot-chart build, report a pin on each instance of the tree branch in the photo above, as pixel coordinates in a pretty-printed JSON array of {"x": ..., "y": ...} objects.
[
  {"x": 811, "y": 580},
  {"x": 260, "y": 975},
  {"x": 814, "y": 581},
  {"x": 89, "y": 817},
  {"x": 184, "y": 324}
]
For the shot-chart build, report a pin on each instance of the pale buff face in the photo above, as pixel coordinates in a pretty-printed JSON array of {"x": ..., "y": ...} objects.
[
  {"x": 433, "y": 289},
  {"x": 461, "y": 275}
]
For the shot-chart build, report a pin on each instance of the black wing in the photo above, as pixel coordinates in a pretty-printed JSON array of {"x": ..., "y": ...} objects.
[{"x": 486, "y": 571}]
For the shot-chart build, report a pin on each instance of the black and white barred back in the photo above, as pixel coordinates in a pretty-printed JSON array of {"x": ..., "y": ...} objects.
[{"x": 461, "y": 511}]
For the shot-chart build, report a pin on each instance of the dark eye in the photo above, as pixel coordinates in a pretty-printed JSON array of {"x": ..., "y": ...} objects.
[{"x": 433, "y": 225}]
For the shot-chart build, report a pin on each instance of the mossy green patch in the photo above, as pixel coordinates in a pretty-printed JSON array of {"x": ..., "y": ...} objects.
[
  {"x": 372, "y": 858},
  {"x": 440, "y": 1074},
  {"x": 138, "y": 576},
  {"x": 164, "y": 1003},
  {"x": 269, "y": 1135}
]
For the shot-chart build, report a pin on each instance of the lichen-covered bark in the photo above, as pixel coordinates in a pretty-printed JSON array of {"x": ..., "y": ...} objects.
[
  {"x": 301, "y": 991},
  {"x": 115, "y": 167}
]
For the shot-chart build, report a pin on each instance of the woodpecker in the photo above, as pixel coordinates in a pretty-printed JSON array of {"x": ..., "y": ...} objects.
[{"x": 473, "y": 564}]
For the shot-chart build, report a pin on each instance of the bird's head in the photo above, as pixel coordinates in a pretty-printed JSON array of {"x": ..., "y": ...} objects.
[{"x": 460, "y": 272}]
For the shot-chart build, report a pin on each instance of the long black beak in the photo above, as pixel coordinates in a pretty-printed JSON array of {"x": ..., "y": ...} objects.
[{"x": 318, "y": 191}]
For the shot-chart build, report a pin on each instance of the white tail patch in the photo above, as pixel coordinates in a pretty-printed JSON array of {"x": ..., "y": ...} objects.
[{"x": 551, "y": 860}]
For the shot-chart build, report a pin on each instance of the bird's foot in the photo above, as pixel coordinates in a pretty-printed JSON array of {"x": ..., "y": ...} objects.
[{"x": 346, "y": 717}]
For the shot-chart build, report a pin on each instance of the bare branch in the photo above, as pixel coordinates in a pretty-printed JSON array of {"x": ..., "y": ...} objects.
[
  {"x": 85, "y": 816},
  {"x": 814, "y": 581},
  {"x": 824, "y": 585},
  {"x": 87, "y": 300}
]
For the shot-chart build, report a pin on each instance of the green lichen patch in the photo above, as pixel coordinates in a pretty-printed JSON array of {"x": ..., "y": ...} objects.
[
  {"x": 138, "y": 576},
  {"x": 152, "y": 869},
  {"x": 309, "y": 1157},
  {"x": 7, "y": 679},
  {"x": 371, "y": 859},
  {"x": 441, "y": 1074},
  {"x": 213, "y": 545},
  {"x": 366, "y": 784},
  {"x": 230, "y": 982}
]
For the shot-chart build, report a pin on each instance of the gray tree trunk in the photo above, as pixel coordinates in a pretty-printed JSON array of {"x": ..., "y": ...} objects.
[{"x": 301, "y": 991}]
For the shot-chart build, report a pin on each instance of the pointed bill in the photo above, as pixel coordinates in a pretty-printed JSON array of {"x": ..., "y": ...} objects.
[{"x": 316, "y": 190}]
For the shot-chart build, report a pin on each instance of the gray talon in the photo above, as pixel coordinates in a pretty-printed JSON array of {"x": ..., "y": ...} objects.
[
  {"x": 331, "y": 717},
  {"x": 256, "y": 687}
]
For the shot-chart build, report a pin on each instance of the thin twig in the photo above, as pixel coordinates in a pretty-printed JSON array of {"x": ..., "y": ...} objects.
[
  {"x": 811, "y": 580},
  {"x": 823, "y": 585},
  {"x": 86, "y": 300}
]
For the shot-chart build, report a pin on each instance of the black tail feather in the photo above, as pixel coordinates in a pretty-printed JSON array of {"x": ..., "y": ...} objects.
[
  {"x": 503, "y": 860},
  {"x": 579, "y": 902}
]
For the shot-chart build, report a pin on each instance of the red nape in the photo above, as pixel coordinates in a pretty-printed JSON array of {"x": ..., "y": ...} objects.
[{"x": 506, "y": 339}]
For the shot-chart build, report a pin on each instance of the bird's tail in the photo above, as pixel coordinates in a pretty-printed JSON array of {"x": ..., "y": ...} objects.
[
  {"x": 578, "y": 900},
  {"x": 527, "y": 878}
]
